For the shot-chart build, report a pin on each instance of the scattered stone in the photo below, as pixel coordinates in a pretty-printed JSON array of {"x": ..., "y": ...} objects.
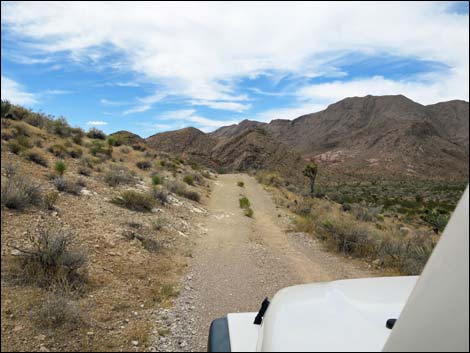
[{"x": 135, "y": 343}]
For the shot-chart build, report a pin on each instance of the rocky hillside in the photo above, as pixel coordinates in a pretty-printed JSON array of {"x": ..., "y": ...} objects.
[
  {"x": 384, "y": 134},
  {"x": 113, "y": 217},
  {"x": 243, "y": 147}
]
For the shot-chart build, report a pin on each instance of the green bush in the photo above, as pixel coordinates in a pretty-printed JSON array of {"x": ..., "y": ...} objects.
[
  {"x": 244, "y": 202},
  {"x": 98, "y": 148},
  {"x": 156, "y": 180},
  {"x": 14, "y": 147},
  {"x": 5, "y": 108},
  {"x": 241, "y": 184},
  {"x": 60, "y": 167},
  {"x": 135, "y": 201},
  {"x": 189, "y": 179}
]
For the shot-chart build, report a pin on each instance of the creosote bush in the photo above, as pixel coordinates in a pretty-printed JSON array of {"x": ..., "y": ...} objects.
[
  {"x": 52, "y": 260},
  {"x": 144, "y": 165},
  {"x": 135, "y": 201},
  {"x": 241, "y": 184},
  {"x": 156, "y": 180},
  {"x": 19, "y": 191},
  {"x": 245, "y": 205}
]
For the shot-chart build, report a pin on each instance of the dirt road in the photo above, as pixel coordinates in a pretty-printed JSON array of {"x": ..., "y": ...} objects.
[{"x": 238, "y": 261}]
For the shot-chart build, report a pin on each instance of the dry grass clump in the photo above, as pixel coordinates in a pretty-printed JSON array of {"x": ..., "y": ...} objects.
[
  {"x": 19, "y": 191},
  {"x": 57, "y": 311},
  {"x": 36, "y": 157},
  {"x": 135, "y": 201},
  {"x": 117, "y": 175},
  {"x": 180, "y": 189},
  {"x": 73, "y": 187}
]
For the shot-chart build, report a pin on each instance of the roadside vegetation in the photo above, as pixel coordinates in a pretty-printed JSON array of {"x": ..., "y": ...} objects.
[
  {"x": 246, "y": 206},
  {"x": 391, "y": 223}
]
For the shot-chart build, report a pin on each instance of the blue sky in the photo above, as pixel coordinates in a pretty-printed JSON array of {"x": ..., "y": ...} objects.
[{"x": 148, "y": 67}]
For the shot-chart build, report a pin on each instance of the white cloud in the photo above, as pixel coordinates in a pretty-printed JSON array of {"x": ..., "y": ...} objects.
[
  {"x": 290, "y": 112},
  {"x": 233, "y": 106},
  {"x": 181, "y": 114},
  {"x": 424, "y": 92},
  {"x": 188, "y": 117},
  {"x": 145, "y": 103},
  {"x": 96, "y": 123},
  {"x": 200, "y": 51},
  {"x": 107, "y": 102},
  {"x": 15, "y": 92}
]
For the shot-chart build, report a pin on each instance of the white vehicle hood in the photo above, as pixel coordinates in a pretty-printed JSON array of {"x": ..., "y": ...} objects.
[{"x": 348, "y": 315}]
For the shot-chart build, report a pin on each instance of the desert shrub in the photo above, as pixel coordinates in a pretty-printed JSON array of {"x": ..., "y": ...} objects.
[
  {"x": 366, "y": 212},
  {"x": 98, "y": 148},
  {"x": 244, "y": 202},
  {"x": 36, "y": 157},
  {"x": 60, "y": 167},
  {"x": 58, "y": 150},
  {"x": 159, "y": 223},
  {"x": 160, "y": 194},
  {"x": 84, "y": 171},
  {"x": 117, "y": 175},
  {"x": 14, "y": 147},
  {"x": 125, "y": 149},
  {"x": 60, "y": 127},
  {"x": 77, "y": 135},
  {"x": 135, "y": 201},
  {"x": 113, "y": 141},
  {"x": 5, "y": 108},
  {"x": 138, "y": 147},
  {"x": 75, "y": 152},
  {"x": 22, "y": 130},
  {"x": 95, "y": 133},
  {"x": 241, "y": 184},
  {"x": 51, "y": 260},
  {"x": 349, "y": 237},
  {"x": 180, "y": 189},
  {"x": 436, "y": 219},
  {"x": 206, "y": 174},
  {"x": 144, "y": 165},
  {"x": 38, "y": 143},
  {"x": 192, "y": 195},
  {"x": 58, "y": 311},
  {"x": 245, "y": 205},
  {"x": 50, "y": 199},
  {"x": 189, "y": 179},
  {"x": 248, "y": 212},
  {"x": 68, "y": 186},
  {"x": 20, "y": 192},
  {"x": 156, "y": 179}
]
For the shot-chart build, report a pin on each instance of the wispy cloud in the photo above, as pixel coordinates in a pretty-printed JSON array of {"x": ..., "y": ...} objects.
[
  {"x": 145, "y": 103},
  {"x": 97, "y": 123},
  {"x": 107, "y": 102},
  {"x": 233, "y": 106},
  {"x": 16, "y": 93}
]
